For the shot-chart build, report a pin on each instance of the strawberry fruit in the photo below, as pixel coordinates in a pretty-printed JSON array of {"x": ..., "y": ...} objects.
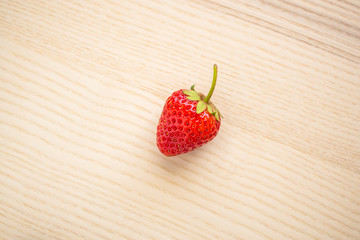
[{"x": 188, "y": 121}]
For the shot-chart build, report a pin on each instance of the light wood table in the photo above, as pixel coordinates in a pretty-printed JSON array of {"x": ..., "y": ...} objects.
[{"x": 82, "y": 86}]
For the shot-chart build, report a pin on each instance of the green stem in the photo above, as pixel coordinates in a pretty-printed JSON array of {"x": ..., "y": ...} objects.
[{"x": 212, "y": 85}]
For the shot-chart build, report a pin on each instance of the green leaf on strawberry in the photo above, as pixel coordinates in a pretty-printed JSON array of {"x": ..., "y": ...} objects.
[
  {"x": 190, "y": 92},
  {"x": 204, "y": 102},
  {"x": 200, "y": 107}
]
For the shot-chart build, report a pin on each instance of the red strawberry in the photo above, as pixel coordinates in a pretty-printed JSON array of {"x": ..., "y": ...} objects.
[{"x": 188, "y": 121}]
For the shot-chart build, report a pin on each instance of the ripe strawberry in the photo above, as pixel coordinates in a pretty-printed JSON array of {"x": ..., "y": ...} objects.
[{"x": 188, "y": 121}]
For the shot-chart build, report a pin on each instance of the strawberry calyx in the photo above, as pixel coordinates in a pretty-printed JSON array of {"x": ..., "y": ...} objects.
[{"x": 204, "y": 103}]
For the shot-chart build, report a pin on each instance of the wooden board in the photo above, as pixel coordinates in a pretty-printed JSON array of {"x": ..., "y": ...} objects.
[{"x": 82, "y": 86}]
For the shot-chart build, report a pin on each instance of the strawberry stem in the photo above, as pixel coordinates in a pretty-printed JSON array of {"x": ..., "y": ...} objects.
[{"x": 212, "y": 85}]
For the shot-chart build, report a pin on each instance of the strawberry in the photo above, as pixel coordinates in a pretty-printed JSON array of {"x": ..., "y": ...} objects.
[{"x": 188, "y": 121}]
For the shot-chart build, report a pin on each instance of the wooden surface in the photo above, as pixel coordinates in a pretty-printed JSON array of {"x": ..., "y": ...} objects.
[{"x": 82, "y": 85}]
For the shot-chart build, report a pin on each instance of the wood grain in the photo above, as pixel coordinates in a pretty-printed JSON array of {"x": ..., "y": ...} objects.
[{"x": 82, "y": 84}]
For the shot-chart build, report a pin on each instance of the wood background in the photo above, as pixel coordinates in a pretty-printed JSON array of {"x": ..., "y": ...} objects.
[{"x": 82, "y": 85}]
